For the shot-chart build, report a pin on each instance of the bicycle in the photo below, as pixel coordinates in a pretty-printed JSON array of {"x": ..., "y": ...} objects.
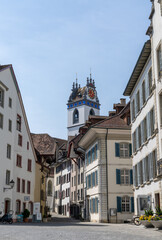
[{"x": 136, "y": 220}]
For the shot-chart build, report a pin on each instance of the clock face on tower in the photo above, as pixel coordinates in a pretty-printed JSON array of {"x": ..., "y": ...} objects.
[{"x": 91, "y": 93}]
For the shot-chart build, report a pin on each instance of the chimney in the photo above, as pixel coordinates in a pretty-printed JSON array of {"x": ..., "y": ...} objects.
[{"x": 123, "y": 101}]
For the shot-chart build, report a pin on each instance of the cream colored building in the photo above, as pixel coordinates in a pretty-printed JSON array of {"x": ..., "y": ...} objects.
[{"x": 108, "y": 169}]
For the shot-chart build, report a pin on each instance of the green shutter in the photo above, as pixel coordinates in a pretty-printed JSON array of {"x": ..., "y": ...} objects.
[
  {"x": 118, "y": 204},
  {"x": 86, "y": 183},
  {"x": 132, "y": 204},
  {"x": 96, "y": 180},
  {"x": 92, "y": 154},
  {"x": 130, "y": 149},
  {"x": 117, "y": 150},
  {"x": 118, "y": 176},
  {"x": 96, "y": 151},
  {"x": 131, "y": 176}
]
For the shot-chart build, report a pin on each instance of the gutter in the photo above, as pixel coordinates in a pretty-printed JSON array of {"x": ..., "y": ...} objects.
[{"x": 107, "y": 198}]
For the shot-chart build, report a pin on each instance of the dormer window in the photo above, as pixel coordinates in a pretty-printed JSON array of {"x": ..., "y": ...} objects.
[
  {"x": 75, "y": 116},
  {"x": 92, "y": 112}
]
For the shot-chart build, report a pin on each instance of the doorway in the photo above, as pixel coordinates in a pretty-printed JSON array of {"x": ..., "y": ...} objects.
[
  {"x": 157, "y": 200},
  {"x": 7, "y": 206}
]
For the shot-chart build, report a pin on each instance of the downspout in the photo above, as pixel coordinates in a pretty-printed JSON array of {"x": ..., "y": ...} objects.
[{"x": 107, "y": 198}]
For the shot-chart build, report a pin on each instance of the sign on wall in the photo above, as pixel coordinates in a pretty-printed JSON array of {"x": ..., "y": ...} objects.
[{"x": 36, "y": 208}]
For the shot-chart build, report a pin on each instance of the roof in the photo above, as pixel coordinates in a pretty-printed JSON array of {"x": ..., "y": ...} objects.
[
  {"x": 144, "y": 55},
  {"x": 5, "y": 66},
  {"x": 46, "y": 145},
  {"x": 112, "y": 123}
]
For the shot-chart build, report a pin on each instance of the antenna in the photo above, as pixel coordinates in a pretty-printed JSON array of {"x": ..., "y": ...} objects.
[{"x": 90, "y": 75}]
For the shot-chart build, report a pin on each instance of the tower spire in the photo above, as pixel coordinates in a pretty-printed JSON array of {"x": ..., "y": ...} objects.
[
  {"x": 76, "y": 81},
  {"x": 90, "y": 75}
]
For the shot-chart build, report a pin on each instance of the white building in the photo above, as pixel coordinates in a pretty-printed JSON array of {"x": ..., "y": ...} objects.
[
  {"x": 17, "y": 156},
  {"x": 144, "y": 89}
]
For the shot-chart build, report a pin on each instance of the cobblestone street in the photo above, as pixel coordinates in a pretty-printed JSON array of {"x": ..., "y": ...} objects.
[{"x": 77, "y": 230}]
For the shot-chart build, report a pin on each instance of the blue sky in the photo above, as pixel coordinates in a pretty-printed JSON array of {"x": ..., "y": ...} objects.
[{"x": 47, "y": 42}]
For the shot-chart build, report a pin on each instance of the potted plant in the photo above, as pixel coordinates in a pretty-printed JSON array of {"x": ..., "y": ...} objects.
[
  {"x": 26, "y": 214},
  {"x": 157, "y": 218},
  {"x": 146, "y": 218}
]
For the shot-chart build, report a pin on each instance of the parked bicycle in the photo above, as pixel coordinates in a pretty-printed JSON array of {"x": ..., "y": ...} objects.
[
  {"x": 7, "y": 218},
  {"x": 136, "y": 220}
]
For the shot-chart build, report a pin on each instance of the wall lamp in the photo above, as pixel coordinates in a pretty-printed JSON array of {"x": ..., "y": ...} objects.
[{"x": 11, "y": 183}]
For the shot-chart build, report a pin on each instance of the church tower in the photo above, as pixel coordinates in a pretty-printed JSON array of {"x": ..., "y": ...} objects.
[{"x": 83, "y": 101}]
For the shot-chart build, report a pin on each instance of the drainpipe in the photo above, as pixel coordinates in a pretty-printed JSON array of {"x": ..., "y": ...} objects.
[{"x": 107, "y": 178}]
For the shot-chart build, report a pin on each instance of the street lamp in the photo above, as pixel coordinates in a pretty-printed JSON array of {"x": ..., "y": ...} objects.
[{"x": 11, "y": 183}]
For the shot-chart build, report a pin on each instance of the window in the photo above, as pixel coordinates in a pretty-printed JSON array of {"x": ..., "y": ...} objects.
[
  {"x": 7, "y": 177},
  {"x": 78, "y": 179},
  {"x": 124, "y": 176},
  {"x": 81, "y": 178},
  {"x": 29, "y": 167},
  {"x": 23, "y": 186},
  {"x": 28, "y": 187},
  {"x": 10, "y": 102},
  {"x": 9, "y": 125},
  {"x": 124, "y": 150},
  {"x": 152, "y": 121},
  {"x": 19, "y": 161},
  {"x": 150, "y": 81},
  {"x": 91, "y": 112},
  {"x": 1, "y": 97},
  {"x": 31, "y": 208},
  {"x": 19, "y": 140},
  {"x": 139, "y": 136},
  {"x": 78, "y": 195},
  {"x": 74, "y": 180},
  {"x": 18, "y": 184},
  {"x": 9, "y": 151},
  {"x": 82, "y": 194},
  {"x": 159, "y": 61},
  {"x": 137, "y": 102},
  {"x": 27, "y": 145},
  {"x": 1, "y": 121},
  {"x": 76, "y": 116},
  {"x": 49, "y": 188},
  {"x": 133, "y": 110},
  {"x": 18, "y": 206},
  {"x": 126, "y": 204},
  {"x": 18, "y": 123},
  {"x": 143, "y": 93}
]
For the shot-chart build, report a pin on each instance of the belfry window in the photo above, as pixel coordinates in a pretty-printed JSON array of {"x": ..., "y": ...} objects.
[
  {"x": 76, "y": 116},
  {"x": 91, "y": 112}
]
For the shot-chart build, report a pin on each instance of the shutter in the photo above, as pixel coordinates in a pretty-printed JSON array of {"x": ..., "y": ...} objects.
[
  {"x": 117, "y": 176},
  {"x": 144, "y": 169},
  {"x": 93, "y": 176},
  {"x": 96, "y": 151},
  {"x": 86, "y": 182},
  {"x": 134, "y": 176},
  {"x": 138, "y": 174},
  {"x": 93, "y": 205},
  {"x": 155, "y": 161},
  {"x": 97, "y": 204},
  {"x": 92, "y": 154},
  {"x": 148, "y": 125},
  {"x": 117, "y": 150},
  {"x": 86, "y": 159},
  {"x": 132, "y": 204},
  {"x": 147, "y": 88},
  {"x": 118, "y": 204},
  {"x": 131, "y": 176},
  {"x": 96, "y": 180},
  {"x": 90, "y": 205},
  {"x": 130, "y": 149},
  {"x": 149, "y": 166},
  {"x": 142, "y": 132},
  {"x": 137, "y": 139}
]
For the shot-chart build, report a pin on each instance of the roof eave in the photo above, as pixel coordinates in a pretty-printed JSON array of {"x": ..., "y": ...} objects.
[{"x": 144, "y": 55}]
